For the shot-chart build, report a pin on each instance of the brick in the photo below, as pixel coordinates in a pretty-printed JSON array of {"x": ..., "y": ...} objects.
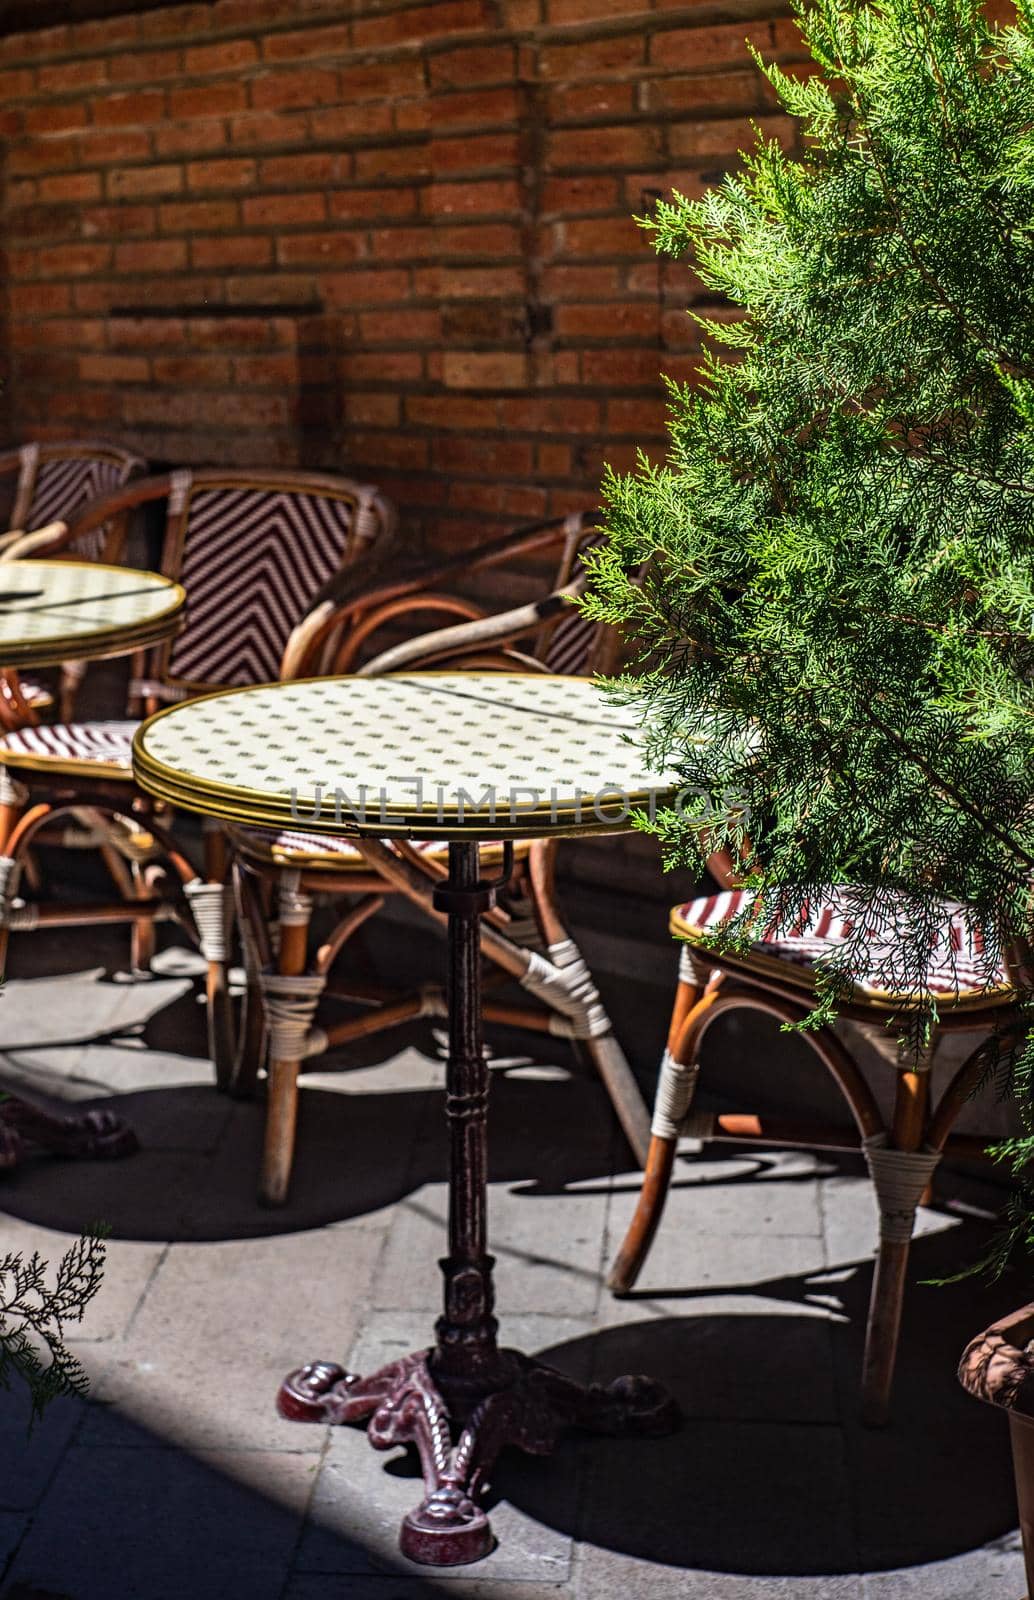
[
  {"x": 134, "y": 181},
  {"x": 372, "y": 410},
  {"x": 151, "y": 255},
  {"x": 405, "y": 326},
  {"x": 64, "y": 77},
  {"x": 74, "y": 260},
  {"x": 703, "y": 91},
  {"x": 395, "y": 161},
  {"x": 478, "y": 199},
  {"x": 58, "y": 117},
  {"x": 600, "y": 236},
  {"x": 564, "y": 11},
  {"x": 267, "y": 128},
  {"x": 476, "y": 109},
  {"x": 470, "y": 323},
  {"x": 709, "y": 47},
  {"x": 519, "y": 14},
  {"x": 38, "y": 299},
  {"x": 477, "y": 64},
  {"x": 469, "y": 282},
  {"x": 332, "y": 247},
  {"x": 122, "y": 144},
  {"x": 473, "y": 155},
  {"x": 70, "y": 334},
  {"x": 239, "y": 250},
  {"x": 579, "y": 102},
  {"x": 484, "y": 369},
  {"x": 230, "y": 55},
  {"x": 381, "y": 80},
  {"x": 484, "y": 239},
  {"x": 394, "y": 366},
  {"x": 41, "y": 155},
  {"x": 411, "y": 116},
  {"x": 553, "y": 460},
  {"x": 144, "y": 66},
  {"x": 208, "y": 370},
  {"x": 189, "y": 138},
  {"x": 726, "y": 136},
  {"x": 445, "y": 17},
  {"x": 10, "y": 122},
  {"x": 200, "y": 216},
  {"x": 107, "y": 33},
  {"x": 621, "y": 53},
  {"x": 370, "y": 286},
  {"x": 144, "y": 333},
  {"x": 589, "y": 193},
  {"x": 390, "y": 449},
  {"x": 279, "y": 210},
  {"x": 565, "y": 282},
  {"x": 116, "y": 221},
  {"x": 620, "y": 320},
  {"x": 624, "y": 145},
  {"x": 128, "y": 110},
  {"x": 621, "y": 368},
  {"x": 265, "y": 371},
  {"x": 301, "y": 42},
  {"x": 176, "y": 22},
  {"x": 338, "y": 123},
  {"x": 230, "y": 174},
  {"x": 279, "y": 288},
  {"x": 315, "y": 167},
  {"x": 114, "y": 369},
  {"x": 71, "y": 186},
  {"x": 287, "y": 91},
  {"x": 208, "y": 100},
  {"x": 447, "y": 411},
  {"x": 550, "y": 414},
  {"x": 638, "y": 417},
  {"x": 347, "y": 205},
  {"x": 484, "y": 457}
]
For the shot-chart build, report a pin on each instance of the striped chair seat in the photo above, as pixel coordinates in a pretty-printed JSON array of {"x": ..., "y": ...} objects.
[
  {"x": 101, "y": 748},
  {"x": 324, "y": 852},
  {"x": 34, "y": 693},
  {"x": 957, "y": 972}
]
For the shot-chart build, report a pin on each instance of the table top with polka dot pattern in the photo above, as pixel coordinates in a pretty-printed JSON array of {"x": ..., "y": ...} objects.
[
  {"x": 53, "y": 611},
  {"x": 432, "y": 755}
]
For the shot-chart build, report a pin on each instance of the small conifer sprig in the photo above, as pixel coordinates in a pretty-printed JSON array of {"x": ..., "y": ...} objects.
[
  {"x": 833, "y": 605},
  {"x": 35, "y": 1313}
]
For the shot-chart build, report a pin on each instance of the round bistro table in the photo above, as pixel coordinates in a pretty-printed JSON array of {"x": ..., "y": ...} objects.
[
  {"x": 51, "y": 612},
  {"x": 468, "y": 757}
]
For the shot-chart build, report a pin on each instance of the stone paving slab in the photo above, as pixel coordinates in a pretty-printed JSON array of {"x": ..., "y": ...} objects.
[
  {"x": 165, "y": 1526},
  {"x": 993, "y": 1573},
  {"x": 221, "y": 1326}
]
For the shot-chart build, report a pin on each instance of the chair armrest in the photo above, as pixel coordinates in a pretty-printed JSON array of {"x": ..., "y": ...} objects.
[
  {"x": 15, "y": 546},
  {"x": 471, "y": 637}
]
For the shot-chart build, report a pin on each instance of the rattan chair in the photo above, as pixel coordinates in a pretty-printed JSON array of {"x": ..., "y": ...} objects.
[
  {"x": 54, "y": 483},
  {"x": 776, "y": 977},
  {"x": 251, "y": 548},
  {"x": 524, "y": 939}
]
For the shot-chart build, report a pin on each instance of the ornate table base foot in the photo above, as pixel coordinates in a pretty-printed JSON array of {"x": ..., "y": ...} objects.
[
  {"x": 460, "y": 1426},
  {"x": 96, "y": 1135}
]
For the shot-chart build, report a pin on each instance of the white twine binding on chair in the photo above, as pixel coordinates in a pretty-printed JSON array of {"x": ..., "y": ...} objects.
[
  {"x": 10, "y": 874},
  {"x": 675, "y": 1086},
  {"x": 565, "y": 984},
  {"x": 12, "y": 793},
  {"x": 432, "y": 1001},
  {"x": 899, "y": 1178},
  {"x": 208, "y": 908},
  {"x": 293, "y": 906},
  {"x": 290, "y": 1005},
  {"x": 688, "y": 970},
  {"x": 179, "y": 490}
]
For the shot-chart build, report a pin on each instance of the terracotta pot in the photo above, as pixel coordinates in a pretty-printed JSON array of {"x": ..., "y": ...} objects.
[{"x": 996, "y": 1367}]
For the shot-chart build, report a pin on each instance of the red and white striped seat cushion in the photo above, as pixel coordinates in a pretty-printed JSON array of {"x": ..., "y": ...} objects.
[
  {"x": 75, "y": 746},
  {"x": 957, "y": 969},
  {"x": 294, "y": 848}
]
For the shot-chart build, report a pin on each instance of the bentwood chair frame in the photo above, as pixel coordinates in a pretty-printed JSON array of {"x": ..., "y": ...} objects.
[
  {"x": 252, "y": 548},
  {"x": 901, "y": 1156},
  {"x": 523, "y": 939},
  {"x": 55, "y": 482}
]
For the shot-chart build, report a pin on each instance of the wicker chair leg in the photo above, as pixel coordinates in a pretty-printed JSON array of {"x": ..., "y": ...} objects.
[
  {"x": 290, "y": 997},
  {"x": 142, "y": 936},
  {"x": 901, "y": 1166},
  {"x": 676, "y": 1085}
]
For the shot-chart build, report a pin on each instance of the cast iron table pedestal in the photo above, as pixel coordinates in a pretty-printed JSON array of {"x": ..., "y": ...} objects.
[{"x": 460, "y": 1402}]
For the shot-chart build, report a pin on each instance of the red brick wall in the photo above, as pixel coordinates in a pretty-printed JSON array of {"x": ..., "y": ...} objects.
[{"x": 388, "y": 238}]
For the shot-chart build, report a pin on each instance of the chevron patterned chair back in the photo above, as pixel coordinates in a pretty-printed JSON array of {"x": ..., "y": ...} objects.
[{"x": 56, "y": 481}]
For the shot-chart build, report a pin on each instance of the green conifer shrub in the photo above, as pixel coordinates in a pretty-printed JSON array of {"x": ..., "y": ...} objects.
[{"x": 834, "y": 618}]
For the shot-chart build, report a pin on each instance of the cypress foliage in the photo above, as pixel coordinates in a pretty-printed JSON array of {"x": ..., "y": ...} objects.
[{"x": 834, "y": 618}]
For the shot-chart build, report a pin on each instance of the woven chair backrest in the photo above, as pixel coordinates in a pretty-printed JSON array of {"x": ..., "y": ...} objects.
[
  {"x": 251, "y": 549},
  {"x": 575, "y": 644},
  {"x": 56, "y": 481}
]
